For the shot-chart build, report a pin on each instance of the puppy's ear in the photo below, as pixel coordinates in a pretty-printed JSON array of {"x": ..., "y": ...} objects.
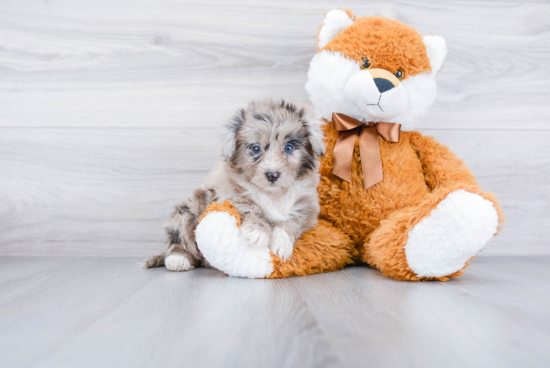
[
  {"x": 316, "y": 135},
  {"x": 229, "y": 140}
]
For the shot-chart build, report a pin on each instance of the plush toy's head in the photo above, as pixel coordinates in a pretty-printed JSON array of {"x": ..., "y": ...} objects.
[{"x": 374, "y": 69}]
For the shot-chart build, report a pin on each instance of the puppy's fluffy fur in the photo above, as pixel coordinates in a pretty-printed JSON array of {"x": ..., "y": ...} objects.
[{"x": 269, "y": 172}]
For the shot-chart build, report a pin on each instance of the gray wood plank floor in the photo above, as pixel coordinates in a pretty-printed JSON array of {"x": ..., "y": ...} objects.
[{"x": 106, "y": 312}]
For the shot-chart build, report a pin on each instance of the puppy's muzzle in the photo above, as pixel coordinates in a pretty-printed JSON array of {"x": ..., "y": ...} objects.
[{"x": 272, "y": 176}]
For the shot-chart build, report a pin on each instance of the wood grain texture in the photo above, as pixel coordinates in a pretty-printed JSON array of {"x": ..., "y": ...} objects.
[
  {"x": 110, "y": 110},
  {"x": 108, "y": 192},
  {"x": 98, "y": 312},
  {"x": 189, "y": 64},
  {"x": 110, "y": 187}
]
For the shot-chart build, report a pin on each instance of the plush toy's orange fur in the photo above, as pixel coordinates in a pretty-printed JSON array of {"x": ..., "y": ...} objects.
[
  {"x": 322, "y": 249},
  {"x": 362, "y": 39},
  {"x": 372, "y": 225},
  {"x": 379, "y": 219}
]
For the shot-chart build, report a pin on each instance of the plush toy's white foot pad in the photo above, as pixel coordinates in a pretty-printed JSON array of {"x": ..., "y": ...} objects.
[
  {"x": 177, "y": 262},
  {"x": 221, "y": 243},
  {"x": 455, "y": 231}
]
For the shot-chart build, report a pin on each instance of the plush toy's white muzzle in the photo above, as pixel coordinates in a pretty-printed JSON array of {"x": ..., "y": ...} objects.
[{"x": 377, "y": 93}]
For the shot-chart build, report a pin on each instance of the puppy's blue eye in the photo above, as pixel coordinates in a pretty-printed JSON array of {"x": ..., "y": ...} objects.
[
  {"x": 256, "y": 149},
  {"x": 289, "y": 148}
]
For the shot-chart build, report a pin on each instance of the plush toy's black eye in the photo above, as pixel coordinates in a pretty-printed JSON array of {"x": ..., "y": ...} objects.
[
  {"x": 289, "y": 148},
  {"x": 399, "y": 74},
  {"x": 366, "y": 64},
  {"x": 256, "y": 149}
]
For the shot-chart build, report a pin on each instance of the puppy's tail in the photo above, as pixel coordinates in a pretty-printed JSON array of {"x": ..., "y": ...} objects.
[{"x": 153, "y": 261}]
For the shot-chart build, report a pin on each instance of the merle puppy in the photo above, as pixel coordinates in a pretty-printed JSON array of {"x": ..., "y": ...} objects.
[{"x": 269, "y": 172}]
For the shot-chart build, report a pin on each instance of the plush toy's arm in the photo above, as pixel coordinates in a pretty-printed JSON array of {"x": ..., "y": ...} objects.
[
  {"x": 445, "y": 173},
  {"x": 441, "y": 167}
]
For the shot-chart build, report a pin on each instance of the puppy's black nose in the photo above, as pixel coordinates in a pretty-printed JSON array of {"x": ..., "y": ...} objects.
[
  {"x": 272, "y": 176},
  {"x": 383, "y": 85}
]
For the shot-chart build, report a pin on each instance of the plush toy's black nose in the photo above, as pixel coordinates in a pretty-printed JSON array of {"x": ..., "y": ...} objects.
[
  {"x": 383, "y": 85},
  {"x": 272, "y": 176}
]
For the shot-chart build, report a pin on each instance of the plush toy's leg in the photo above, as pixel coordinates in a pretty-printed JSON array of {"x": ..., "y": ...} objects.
[
  {"x": 222, "y": 245},
  {"x": 436, "y": 239},
  {"x": 321, "y": 249}
]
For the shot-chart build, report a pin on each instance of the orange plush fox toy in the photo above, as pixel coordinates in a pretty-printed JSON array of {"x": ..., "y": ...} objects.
[{"x": 390, "y": 197}]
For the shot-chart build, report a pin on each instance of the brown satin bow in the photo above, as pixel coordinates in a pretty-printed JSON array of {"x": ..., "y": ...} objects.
[{"x": 369, "y": 147}]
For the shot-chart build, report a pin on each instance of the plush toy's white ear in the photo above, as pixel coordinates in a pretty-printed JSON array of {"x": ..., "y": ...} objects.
[
  {"x": 335, "y": 22},
  {"x": 437, "y": 51}
]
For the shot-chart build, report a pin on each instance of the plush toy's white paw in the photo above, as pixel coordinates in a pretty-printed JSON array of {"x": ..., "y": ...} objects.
[
  {"x": 177, "y": 262},
  {"x": 455, "y": 231},
  {"x": 223, "y": 246},
  {"x": 281, "y": 244},
  {"x": 254, "y": 235}
]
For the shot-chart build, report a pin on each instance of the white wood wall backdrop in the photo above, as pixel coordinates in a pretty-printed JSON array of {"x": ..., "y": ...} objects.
[{"x": 110, "y": 110}]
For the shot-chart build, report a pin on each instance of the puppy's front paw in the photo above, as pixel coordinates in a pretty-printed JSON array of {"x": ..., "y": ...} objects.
[
  {"x": 282, "y": 244},
  {"x": 254, "y": 234}
]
